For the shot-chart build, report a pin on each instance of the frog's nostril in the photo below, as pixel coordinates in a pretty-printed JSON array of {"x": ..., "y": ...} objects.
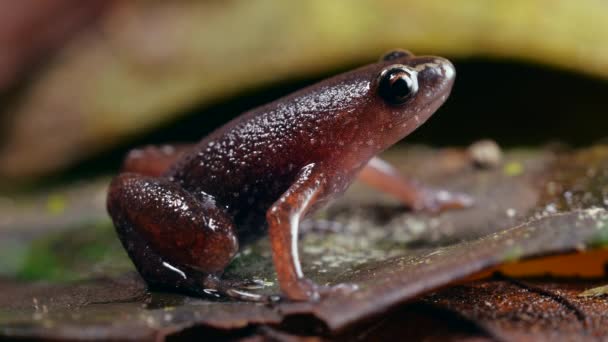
[{"x": 448, "y": 70}]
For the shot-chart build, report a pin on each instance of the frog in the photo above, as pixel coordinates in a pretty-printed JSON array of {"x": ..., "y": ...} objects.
[{"x": 183, "y": 212}]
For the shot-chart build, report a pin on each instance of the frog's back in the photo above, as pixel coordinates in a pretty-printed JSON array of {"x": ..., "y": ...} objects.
[{"x": 258, "y": 154}]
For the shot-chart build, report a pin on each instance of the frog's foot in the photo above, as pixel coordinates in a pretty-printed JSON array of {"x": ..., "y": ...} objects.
[
  {"x": 309, "y": 290},
  {"x": 248, "y": 284},
  {"x": 436, "y": 201},
  {"x": 384, "y": 177},
  {"x": 247, "y": 296},
  {"x": 238, "y": 290}
]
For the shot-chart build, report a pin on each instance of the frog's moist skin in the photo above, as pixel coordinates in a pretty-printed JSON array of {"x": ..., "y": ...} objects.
[{"x": 182, "y": 211}]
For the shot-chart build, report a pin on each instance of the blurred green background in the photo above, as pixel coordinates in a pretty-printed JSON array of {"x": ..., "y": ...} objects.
[{"x": 81, "y": 83}]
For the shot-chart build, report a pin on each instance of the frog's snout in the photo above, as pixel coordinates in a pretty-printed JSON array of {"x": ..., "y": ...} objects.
[
  {"x": 436, "y": 74},
  {"x": 447, "y": 70}
]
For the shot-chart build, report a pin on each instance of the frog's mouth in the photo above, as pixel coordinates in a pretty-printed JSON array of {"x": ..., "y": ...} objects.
[
  {"x": 415, "y": 120},
  {"x": 419, "y": 119}
]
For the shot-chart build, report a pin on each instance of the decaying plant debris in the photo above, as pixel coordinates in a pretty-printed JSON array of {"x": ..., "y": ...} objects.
[{"x": 533, "y": 204}]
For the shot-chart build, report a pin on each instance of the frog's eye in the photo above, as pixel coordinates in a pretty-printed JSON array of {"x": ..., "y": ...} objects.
[
  {"x": 397, "y": 84},
  {"x": 392, "y": 55}
]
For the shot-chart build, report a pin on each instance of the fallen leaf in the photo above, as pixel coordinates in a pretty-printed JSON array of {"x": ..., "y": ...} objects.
[
  {"x": 393, "y": 255},
  {"x": 530, "y": 310}
]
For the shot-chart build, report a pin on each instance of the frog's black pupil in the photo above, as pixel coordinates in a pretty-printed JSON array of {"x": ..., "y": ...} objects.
[
  {"x": 395, "y": 86},
  {"x": 400, "y": 88}
]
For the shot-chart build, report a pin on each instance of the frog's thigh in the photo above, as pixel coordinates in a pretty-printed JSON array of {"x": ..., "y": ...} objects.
[
  {"x": 153, "y": 160},
  {"x": 173, "y": 239}
]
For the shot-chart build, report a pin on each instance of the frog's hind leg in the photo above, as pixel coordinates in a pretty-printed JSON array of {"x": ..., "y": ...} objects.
[
  {"x": 154, "y": 161},
  {"x": 384, "y": 177},
  {"x": 175, "y": 241}
]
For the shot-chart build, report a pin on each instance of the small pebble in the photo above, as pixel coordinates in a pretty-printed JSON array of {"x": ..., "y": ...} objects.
[{"x": 485, "y": 154}]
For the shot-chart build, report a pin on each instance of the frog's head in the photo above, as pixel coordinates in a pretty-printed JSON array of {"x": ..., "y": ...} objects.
[
  {"x": 408, "y": 90},
  {"x": 372, "y": 107}
]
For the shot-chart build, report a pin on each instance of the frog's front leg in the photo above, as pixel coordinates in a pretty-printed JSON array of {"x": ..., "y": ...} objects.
[
  {"x": 284, "y": 218},
  {"x": 175, "y": 240},
  {"x": 383, "y": 176}
]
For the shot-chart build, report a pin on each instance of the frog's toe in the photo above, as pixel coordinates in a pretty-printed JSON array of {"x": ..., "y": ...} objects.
[
  {"x": 246, "y": 296},
  {"x": 247, "y": 284},
  {"x": 440, "y": 200},
  {"x": 241, "y": 290}
]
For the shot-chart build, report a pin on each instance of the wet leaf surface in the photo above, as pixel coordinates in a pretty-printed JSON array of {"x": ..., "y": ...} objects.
[
  {"x": 534, "y": 204},
  {"x": 528, "y": 310}
]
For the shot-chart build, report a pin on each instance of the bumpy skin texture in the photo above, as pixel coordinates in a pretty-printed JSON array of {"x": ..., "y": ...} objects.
[{"x": 181, "y": 212}]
